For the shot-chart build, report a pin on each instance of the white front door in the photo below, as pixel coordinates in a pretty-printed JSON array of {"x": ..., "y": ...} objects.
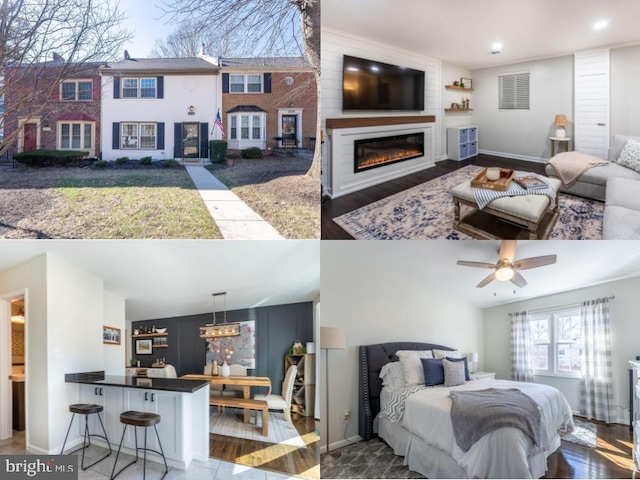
[{"x": 592, "y": 102}]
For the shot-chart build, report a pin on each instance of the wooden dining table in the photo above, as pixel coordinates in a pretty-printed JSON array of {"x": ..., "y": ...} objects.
[{"x": 246, "y": 382}]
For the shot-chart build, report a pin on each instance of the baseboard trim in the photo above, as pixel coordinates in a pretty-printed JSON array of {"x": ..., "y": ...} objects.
[
  {"x": 514, "y": 156},
  {"x": 340, "y": 443}
]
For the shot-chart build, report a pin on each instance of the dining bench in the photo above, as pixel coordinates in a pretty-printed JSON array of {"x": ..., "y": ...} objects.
[{"x": 246, "y": 403}]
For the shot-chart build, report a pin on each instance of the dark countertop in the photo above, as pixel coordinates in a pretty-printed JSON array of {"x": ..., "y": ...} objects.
[{"x": 167, "y": 384}]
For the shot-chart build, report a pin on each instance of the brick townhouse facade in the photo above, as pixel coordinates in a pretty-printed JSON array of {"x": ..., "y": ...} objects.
[
  {"x": 53, "y": 106},
  {"x": 266, "y": 100}
]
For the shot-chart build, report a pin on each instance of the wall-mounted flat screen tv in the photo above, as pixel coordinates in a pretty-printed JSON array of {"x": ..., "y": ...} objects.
[{"x": 371, "y": 85}]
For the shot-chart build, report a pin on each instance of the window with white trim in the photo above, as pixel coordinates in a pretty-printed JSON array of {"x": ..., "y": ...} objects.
[
  {"x": 247, "y": 126},
  {"x": 76, "y": 135},
  {"x": 76, "y": 90},
  {"x": 556, "y": 341},
  {"x": 139, "y": 87},
  {"x": 513, "y": 91},
  {"x": 251, "y": 83},
  {"x": 139, "y": 136}
]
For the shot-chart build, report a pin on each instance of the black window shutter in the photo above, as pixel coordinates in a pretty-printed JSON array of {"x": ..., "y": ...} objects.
[
  {"x": 177, "y": 140},
  {"x": 160, "y": 133},
  {"x": 225, "y": 83},
  {"x": 267, "y": 83},
  {"x": 204, "y": 140},
  {"x": 160, "y": 87},
  {"x": 116, "y": 87},
  {"x": 115, "y": 141}
]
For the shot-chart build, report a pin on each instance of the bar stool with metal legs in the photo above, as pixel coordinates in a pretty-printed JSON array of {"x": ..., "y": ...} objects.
[
  {"x": 140, "y": 419},
  {"x": 86, "y": 409}
]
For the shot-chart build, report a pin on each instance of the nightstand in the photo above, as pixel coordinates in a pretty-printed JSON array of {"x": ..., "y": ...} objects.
[
  {"x": 483, "y": 376},
  {"x": 554, "y": 140}
]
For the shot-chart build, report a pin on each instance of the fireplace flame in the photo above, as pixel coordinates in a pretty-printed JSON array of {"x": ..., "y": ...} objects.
[{"x": 386, "y": 157}]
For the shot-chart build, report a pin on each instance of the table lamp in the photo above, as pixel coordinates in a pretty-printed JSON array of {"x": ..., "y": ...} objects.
[{"x": 560, "y": 122}]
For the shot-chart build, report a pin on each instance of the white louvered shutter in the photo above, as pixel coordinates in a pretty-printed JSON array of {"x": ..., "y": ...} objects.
[{"x": 513, "y": 91}]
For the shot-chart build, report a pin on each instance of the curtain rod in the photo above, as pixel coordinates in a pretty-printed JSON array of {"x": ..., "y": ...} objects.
[{"x": 611, "y": 297}]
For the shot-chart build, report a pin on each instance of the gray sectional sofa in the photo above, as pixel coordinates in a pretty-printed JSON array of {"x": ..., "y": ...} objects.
[{"x": 618, "y": 187}]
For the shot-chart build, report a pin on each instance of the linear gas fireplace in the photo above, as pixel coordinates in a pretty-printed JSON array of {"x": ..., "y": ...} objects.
[{"x": 377, "y": 152}]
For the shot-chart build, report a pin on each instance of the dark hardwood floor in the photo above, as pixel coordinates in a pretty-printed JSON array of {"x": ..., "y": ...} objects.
[
  {"x": 610, "y": 459},
  {"x": 339, "y": 206},
  {"x": 287, "y": 459}
]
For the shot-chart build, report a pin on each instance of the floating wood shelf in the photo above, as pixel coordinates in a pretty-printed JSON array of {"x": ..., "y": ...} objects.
[
  {"x": 150, "y": 335},
  {"x": 459, "y": 89},
  {"x": 160, "y": 346},
  {"x": 449, "y": 110}
]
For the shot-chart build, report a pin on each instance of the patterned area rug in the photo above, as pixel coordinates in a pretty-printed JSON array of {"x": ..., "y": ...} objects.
[
  {"x": 425, "y": 212},
  {"x": 584, "y": 434}
]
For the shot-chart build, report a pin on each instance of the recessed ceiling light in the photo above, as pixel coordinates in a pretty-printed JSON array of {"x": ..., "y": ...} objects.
[
  {"x": 375, "y": 69},
  {"x": 353, "y": 69},
  {"x": 496, "y": 48},
  {"x": 601, "y": 24}
]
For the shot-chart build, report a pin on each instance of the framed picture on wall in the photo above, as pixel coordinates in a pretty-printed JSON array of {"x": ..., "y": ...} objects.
[
  {"x": 110, "y": 335},
  {"x": 465, "y": 82},
  {"x": 144, "y": 347}
]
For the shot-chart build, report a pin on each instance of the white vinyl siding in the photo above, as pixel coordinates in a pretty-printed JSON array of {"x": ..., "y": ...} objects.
[{"x": 513, "y": 91}]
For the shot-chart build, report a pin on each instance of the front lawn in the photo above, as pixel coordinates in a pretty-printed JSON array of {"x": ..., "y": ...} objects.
[{"x": 94, "y": 203}]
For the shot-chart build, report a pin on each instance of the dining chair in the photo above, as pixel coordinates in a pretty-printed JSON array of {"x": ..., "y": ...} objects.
[{"x": 283, "y": 401}]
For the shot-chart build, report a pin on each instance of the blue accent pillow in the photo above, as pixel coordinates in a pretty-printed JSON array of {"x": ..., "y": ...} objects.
[
  {"x": 433, "y": 371},
  {"x": 466, "y": 368}
]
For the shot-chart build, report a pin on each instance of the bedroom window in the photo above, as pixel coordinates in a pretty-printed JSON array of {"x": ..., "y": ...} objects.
[
  {"x": 556, "y": 341},
  {"x": 513, "y": 91}
]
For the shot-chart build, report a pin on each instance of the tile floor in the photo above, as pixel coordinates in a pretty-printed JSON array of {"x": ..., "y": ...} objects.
[{"x": 212, "y": 469}]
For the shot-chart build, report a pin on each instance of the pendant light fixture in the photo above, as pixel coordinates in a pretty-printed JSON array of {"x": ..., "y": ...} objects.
[{"x": 224, "y": 329}]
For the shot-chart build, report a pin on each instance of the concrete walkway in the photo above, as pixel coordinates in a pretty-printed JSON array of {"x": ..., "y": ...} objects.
[{"x": 235, "y": 219}]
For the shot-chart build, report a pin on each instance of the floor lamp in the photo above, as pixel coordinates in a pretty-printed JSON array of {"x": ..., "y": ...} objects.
[{"x": 330, "y": 339}]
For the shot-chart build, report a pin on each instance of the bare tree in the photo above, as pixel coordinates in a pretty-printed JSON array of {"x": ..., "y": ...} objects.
[
  {"x": 269, "y": 27},
  {"x": 44, "y": 42}
]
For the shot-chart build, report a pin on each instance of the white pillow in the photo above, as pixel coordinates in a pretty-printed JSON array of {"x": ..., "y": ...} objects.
[
  {"x": 412, "y": 366},
  {"x": 453, "y": 373},
  {"x": 392, "y": 375},
  {"x": 446, "y": 353},
  {"x": 630, "y": 155}
]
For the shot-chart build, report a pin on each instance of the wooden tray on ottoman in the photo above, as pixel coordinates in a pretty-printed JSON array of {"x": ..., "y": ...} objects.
[{"x": 500, "y": 185}]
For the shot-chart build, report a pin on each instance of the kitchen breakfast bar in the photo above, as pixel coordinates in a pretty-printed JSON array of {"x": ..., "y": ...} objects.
[{"x": 183, "y": 406}]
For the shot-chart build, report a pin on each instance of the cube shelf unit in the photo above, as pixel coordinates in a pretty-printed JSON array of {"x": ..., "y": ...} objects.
[
  {"x": 304, "y": 386},
  {"x": 462, "y": 142}
]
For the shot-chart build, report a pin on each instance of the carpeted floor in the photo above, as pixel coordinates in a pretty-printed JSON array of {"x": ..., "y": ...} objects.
[
  {"x": 375, "y": 459},
  {"x": 425, "y": 212}
]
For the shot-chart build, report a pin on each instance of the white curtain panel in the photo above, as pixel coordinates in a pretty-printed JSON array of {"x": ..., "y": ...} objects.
[
  {"x": 596, "y": 396},
  {"x": 521, "y": 367}
]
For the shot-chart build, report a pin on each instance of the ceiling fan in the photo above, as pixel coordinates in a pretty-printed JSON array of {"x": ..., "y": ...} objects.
[{"x": 506, "y": 269}]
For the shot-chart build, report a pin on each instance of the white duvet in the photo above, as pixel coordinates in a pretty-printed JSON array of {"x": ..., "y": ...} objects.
[{"x": 504, "y": 453}]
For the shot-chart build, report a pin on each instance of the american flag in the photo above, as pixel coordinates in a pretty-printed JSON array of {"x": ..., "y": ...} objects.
[{"x": 219, "y": 122}]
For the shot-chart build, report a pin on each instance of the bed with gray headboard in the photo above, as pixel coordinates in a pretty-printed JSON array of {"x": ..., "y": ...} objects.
[{"x": 372, "y": 359}]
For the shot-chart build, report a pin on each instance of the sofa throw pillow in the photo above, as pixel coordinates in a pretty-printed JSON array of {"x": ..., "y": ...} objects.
[
  {"x": 630, "y": 156},
  {"x": 446, "y": 353},
  {"x": 453, "y": 373},
  {"x": 433, "y": 371},
  {"x": 411, "y": 366},
  {"x": 392, "y": 375},
  {"x": 466, "y": 367},
  {"x": 617, "y": 144}
]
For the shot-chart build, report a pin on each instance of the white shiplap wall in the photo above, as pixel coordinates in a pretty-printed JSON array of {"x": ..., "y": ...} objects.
[{"x": 334, "y": 45}]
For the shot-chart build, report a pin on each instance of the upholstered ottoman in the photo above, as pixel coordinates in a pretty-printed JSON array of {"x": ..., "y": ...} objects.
[
  {"x": 622, "y": 210},
  {"x": 531, "y": 212}
]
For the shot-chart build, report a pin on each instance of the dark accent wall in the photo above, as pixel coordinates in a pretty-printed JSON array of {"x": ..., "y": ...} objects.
[{"x": 277, "y": 328}]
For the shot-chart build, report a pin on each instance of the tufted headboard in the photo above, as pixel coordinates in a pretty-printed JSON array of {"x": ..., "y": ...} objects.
[{"x": 372, "y": 359}]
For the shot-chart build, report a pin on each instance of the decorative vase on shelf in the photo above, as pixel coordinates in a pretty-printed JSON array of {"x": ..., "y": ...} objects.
[
  {"x": 225, "y": 371},
  {"x": 214, "y": 369}
]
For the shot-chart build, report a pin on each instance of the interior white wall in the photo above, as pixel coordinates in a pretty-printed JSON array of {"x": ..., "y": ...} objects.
[
  {"x": 335, "y": 44},
  {"x": 450, "y": 74},
  {"x": 624, "y": 342},
  {"x": 523, "y": 134},
  {"x": 374, "y": 306},
  {"x": 625, "y": 97},
  {"x": 115, "y": 359},
  {"x": 31, "y": 275},
  {"x": 75, "y": 306}
]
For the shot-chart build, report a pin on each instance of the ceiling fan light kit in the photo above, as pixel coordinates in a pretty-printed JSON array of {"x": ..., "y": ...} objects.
[{"x": 504, "y": 273}]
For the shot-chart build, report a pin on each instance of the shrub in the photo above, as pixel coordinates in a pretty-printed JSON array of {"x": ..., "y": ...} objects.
[
  {"x": 146, "y": 161},
  {"x": 170, "y": 163},
  {"x": 122, "y": 160},
  {"x": 253, "y": 152},
  {"x": 42, "y": 158},
  {"x": 101, "y": 164},
  {"x": 217, "y": 150}
]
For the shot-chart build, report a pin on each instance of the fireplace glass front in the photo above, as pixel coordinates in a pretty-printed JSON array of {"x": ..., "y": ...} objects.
[{"x": 377, "y": 152}]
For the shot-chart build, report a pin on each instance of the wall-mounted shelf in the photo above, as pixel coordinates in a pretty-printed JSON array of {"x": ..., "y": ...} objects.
[
  {"x": 160, "y": 346},
  {"x": 142, "y": 335},
  {"x": 459, "y": 89},
  {"x": 449, "y": 110}
]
